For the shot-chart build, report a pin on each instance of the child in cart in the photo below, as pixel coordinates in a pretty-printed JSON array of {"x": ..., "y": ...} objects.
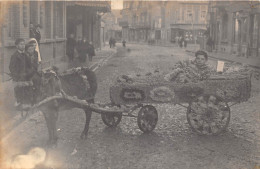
[{"x": 190, "y": 71}]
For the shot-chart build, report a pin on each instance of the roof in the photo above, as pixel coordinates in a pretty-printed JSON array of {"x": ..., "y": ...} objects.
[{"x": 105, "y": 6}]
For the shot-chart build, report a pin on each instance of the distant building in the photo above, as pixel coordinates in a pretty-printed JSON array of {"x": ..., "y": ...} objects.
[
  {"x": 112, "y": 28},
  {"x": 84, "y": 19},
  {"x": 235, "y": 27},
  {"x": 140, "y": 20},
  {"x": 187, "y": 19},
  {"x": 163, "y": 20}
]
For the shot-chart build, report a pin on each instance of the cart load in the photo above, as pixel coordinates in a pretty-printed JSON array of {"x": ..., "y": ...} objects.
[{"x": 155, "y": 89}]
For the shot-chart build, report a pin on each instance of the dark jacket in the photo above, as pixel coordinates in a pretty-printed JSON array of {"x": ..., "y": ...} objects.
[
  {"x": 71, "y": 44},
  {"x": 20, "y": 67},
  {"x": 91, "y": 50},
  {"x": 32, "y": 33},
  {"x": 38, "y": 36}
]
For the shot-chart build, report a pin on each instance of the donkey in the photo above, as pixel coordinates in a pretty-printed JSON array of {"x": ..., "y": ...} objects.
[{"x": 78, "y": 82}]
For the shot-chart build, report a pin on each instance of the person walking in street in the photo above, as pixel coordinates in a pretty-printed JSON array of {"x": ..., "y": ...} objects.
[
  {"x": 181, "y": 41},
  {"x": 209, "y": 44},
  {"x": 124, "y": 42},
  {"x": 71, "y": 44},
  {"x": 83, "y": 50},
  {"x": 114, "y": 42},
  {"x": 110, "y": 42},
  {"x": 185, "y": 41},
  {"x": 91, "y": 51}
]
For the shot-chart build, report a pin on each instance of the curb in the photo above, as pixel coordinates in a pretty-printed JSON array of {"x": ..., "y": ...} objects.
[
  {"x": 18, "y": 120},
  {"x": 158, "y": 44},
  {"x": 228, "y": 60}
]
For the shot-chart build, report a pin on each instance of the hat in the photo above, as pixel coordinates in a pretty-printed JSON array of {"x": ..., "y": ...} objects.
[
  {"x": 200, "y": 52},
  {"x": 17, "y": 41}
]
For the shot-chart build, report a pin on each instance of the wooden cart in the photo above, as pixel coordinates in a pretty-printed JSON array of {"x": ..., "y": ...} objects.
[{"x": 207, "y": 102}]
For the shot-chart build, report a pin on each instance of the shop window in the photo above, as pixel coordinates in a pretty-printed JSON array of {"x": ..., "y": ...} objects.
[
  {"x": 25, "y": 17},
  {"x": 10, "y": 23},
  {"x": 58, "y": 17},
  {"x": 244, "y": 30},
  {"x": 34, "y": 12},
  {"x": 41, "y": 13},
  {"x": 48, "y": 20},
  {"x": 224, "y": 26},
  {"x": 236, "y": 40},
  {"x": 255, "y": 30}
]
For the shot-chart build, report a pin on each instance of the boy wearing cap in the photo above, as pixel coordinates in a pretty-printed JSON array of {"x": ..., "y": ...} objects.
[
  {"x": 19, "y": 62},
  {"x": 191, "y": 71},
  {"x": 20, "y": 70}
]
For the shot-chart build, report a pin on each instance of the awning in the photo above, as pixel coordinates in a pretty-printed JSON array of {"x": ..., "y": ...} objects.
[
  {"x": 188, "y": 27},
  {"x": 105, "y": 6}
]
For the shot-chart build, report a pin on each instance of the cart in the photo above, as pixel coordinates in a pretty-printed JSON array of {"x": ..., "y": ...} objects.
[{"x": 207, "y": 102}]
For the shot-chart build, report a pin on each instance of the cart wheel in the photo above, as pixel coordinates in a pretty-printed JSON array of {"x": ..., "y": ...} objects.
[
  {"x": 111, "y": 119},
  {"x": 147, "y": 118},
  {"x": 208, "y": 115}
]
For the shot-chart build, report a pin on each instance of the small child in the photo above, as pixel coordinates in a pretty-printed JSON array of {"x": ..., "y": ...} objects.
[{"x": 191, "y": 71}]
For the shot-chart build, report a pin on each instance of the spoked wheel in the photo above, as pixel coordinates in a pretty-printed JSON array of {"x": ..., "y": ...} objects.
[
  {"x": 111, "y": 119},
  {"x": 208, "y": 115},
  {"x": 147, "y": 118}
]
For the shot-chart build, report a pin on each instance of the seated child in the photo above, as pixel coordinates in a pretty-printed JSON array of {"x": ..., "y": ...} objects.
[{"x": 190, "y": 71}]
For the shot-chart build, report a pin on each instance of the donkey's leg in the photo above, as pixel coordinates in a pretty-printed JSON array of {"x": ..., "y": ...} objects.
[
  {"x": 46, "y": 114},
  {"x": 85, "y": 131},
  {"x": 53, "y": 117},
  {"x": 55, "y": 114}
]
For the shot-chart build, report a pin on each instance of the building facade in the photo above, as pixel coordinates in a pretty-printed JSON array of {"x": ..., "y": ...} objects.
[
  {"x": 16, "y": 18},
  {"x": 186, "y": 19},
  {"x": 57, "y": 20},
  {"x": 163, "y": 20},
  {"x": 112, "y": 28},
  {"x": 235, "y": 27},
  {"x": 140, "y": 20},
  {"x": 84, "y": 20}
]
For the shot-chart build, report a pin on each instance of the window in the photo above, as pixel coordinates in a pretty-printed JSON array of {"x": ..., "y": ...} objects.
[
  {"x": 58, "y": 17},
  {"x": 177, "y": 15},
  {"x": 183, "y": 12},
  {"x": 48, "y": 21},
  {"x": 236, "y": 40},
  {"x": 34, "y": 12},
  {"x": 189, "y": 13},
  {"x": 255, "y": 30},
  {"x": 25, "y": 17},
  {"x": 224, "y": 26},
  {"x": 203, "y": 13},
  {"x": 244, "y": 30},
  {"x": 41, "y": 13}
]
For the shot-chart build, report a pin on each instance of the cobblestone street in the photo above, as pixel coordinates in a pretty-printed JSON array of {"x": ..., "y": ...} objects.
[{"x": 171, "y": 145}]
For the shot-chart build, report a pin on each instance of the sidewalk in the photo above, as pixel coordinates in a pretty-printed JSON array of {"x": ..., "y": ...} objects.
[
  {"x": 251, "y": 61},
  {"x": 10, "y": 118}
]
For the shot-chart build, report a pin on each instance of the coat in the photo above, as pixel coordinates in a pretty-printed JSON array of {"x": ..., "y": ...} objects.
[
  {"x": 20, "y": 67},
  {"x": 189, "y": 71},
  {"x": 91, "y": 50},
  {"x": 71, "y": 44},
  {"x": 37, "y": 36}
]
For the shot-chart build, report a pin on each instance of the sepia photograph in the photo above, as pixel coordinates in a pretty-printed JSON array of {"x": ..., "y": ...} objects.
[{"x": 129, "y": 84}]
